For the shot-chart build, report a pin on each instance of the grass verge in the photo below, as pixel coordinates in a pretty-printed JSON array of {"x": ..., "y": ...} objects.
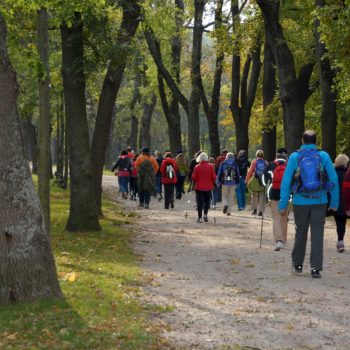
[{"x": 100, "y": 278}]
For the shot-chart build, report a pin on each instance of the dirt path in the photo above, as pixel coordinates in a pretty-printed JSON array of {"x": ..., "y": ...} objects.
[{"x": 226, "y": 293}]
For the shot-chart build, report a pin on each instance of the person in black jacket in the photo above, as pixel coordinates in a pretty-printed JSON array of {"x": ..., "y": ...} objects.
[
  {"x": 341, "y": 164},
  {"x": 243, "y": 165},
  {"x": 123, "y": 169},
  {"x": 273, "y": 176}
]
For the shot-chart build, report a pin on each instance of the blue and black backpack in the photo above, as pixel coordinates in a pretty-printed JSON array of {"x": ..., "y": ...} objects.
[{"x": 310, "y": 176}]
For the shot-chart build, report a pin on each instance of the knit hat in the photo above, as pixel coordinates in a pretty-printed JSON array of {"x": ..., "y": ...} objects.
[
  {"x": 145, "y": 150},
  {"x": 282, "y": 151}
]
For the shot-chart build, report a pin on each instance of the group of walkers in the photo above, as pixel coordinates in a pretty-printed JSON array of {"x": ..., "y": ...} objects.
[{"x": 307, "y": 178}]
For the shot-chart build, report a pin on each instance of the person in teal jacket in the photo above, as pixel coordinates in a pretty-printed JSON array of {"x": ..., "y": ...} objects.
[{"x": 309, "y": 210}]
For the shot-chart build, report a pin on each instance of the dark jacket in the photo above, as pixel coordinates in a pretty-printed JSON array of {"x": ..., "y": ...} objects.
[
  {"x": 243, "y": 165},
  {"x": 272, "y": 193},
  {"x": 341, "y": 170}
]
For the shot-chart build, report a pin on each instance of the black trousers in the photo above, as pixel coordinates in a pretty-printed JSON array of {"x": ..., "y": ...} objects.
[
  {"x": 306, "y": 216},
  {"x": 203, "y": 201},
  {"x": 168, "y": 194},
  {"x": 341, "y": 226}
]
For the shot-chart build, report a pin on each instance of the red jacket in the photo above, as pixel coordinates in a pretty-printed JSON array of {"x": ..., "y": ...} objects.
[
  {"x": 165, "y": 179},
  {"x": 204, "y": 176}
]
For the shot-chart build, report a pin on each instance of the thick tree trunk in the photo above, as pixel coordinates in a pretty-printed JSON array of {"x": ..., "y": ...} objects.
[
  {"x": 44, "y": 169},
  {"x": 83, "y": 214},
  {"x": 109, "y": 92},
  {"x": 134, "y": 131},
  {"x": 195, "y": 97},
  {"x": 134, "y": 125},
  {"x": 292, "y": 103},
  {"x": 148, "y": 109},
  {"x": 269, "y": 93},
  {"x": 212, "y": 110},
  {"x": 172, "y": 116},
  {"x": 27, "y": 267},
  {"x": 329, "y": 104}
]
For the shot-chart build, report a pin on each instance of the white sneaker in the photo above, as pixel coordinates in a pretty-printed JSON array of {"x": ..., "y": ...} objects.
[
  {"x": 279, "y": 245},
  {"x": 276, "y": 246}
]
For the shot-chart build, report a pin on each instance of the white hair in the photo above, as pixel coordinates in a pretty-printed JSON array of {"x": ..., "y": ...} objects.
[{"x": 203, "y": 157}]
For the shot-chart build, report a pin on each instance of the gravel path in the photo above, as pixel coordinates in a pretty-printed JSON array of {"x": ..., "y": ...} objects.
[{"x": 224, "y": 292}]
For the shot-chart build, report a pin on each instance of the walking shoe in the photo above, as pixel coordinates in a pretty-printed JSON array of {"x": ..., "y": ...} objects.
[
  {"x": 146, "y": 206},
  {"x": 340, "y": 247},
  {"x": 225, "y": 209},
  {"x": 254, "y": 212},
  {"x": 199, "y": 220},
  {"x": 297, "y": 269},
  {"x": 260, "y": 214},
  {"x": 278, "y": 246},
  {"x": 141, "y": 205},
  {"x": 229, "y": 214},
  {"x": 240, "y": 209},
  {"x": 205, "y": 218},
  {"x": 315, "y": 273},
  {"x": 172, "y": 205}
]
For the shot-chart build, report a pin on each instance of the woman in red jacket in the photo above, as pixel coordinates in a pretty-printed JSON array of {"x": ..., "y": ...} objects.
[
  {"x": 168, "y": 171},
  {"x": 204, "y": 178}
]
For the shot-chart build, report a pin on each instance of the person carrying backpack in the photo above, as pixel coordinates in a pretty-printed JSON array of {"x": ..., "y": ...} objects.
[
  {"x": 147, "y": 168},
  {"x": 133, "y": 178},
  {"x": 123, "y": 167},
  {"x": 159, "y": 159},
  {"x": 254, "y": 183},
  {"x": 273, "y": 175},
  {"x": 228, "y": 177},
  {"x": 306, "y": 179},
  {"x": 204, "y": 178},
  {"x": 341, "y": 165},
  {"x": 169, "y": 179},
  {"x": 182, "y": 170},
  {"x": 243, "y": 165}
]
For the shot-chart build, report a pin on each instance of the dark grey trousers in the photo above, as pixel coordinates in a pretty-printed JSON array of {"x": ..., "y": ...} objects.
[{"x": 306, "y": 216}]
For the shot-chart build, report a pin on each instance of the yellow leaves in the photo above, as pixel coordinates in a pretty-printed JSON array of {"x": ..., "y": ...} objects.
[
  {"x": 235, "y": 261},
  {"x": 12, "y": 336},
  {"x": 70, "y": 277}
]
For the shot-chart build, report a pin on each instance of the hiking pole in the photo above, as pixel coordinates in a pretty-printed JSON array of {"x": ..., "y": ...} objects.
[{"x": 262, "y": 219}]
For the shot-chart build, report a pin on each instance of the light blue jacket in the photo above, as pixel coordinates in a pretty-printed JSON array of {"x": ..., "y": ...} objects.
[{"x": 318, "y": 197}]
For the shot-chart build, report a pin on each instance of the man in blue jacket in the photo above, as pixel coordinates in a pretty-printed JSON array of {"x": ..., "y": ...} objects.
[{"x": 309, "y": 206}]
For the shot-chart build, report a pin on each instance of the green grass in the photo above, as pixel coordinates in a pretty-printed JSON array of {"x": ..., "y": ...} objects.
[{"x": 100, "y": 278}]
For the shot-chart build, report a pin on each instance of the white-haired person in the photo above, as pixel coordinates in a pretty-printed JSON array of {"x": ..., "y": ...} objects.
[
  {"x": 204, "y": 178},
  {"x": 341, "y": 165}
]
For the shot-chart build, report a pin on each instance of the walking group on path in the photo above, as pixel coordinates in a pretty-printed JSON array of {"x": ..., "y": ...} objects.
[{"x": 307, "y": 178}]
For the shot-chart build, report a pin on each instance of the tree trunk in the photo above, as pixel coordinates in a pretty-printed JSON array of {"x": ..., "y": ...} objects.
[
  {"x": 195, "y": 97},
  {"x": 109, "y": 92},
  {"x": 329, "y": 104},
  {"x": 44, "y": 117},
  {"x": 27, "y": 267},
  {"x": 134, "y": 126},
  {"x": 292, "y": 104},
  {"x": 34, "y": 150},
  {"x": 172, "y": 116},
  {"x": 243, "y": 89},
  {"x": 83, "y": 214},
  {"x": 60, "y": 134},
  {"x": 269, "y": 93},
  {"x": 148, "y": 109},
  {"x": 212, "y": 111}
]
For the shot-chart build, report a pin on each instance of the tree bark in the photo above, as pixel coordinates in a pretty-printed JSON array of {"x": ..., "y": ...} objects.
[
  {"x": 60, "y": 133},
  {"x": 148, "y": 109},
  {"x": 243, "y": 89},
  {"x": 269, "y": 93},
  {"x": 83, "y": 215},
  {"x": 292, "y": 104},
  {"x": 134, "y": 126},
  {"x": 172, "y": 116},
  {"x": 44, "y": 116},
  {"x": 195, "y": 97},
  {"x": 109, "y": 92},
  {"x": 329, "y": 104},
  {"x": 27, "y": 267},
  {"x": 212, "y": 110}
]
